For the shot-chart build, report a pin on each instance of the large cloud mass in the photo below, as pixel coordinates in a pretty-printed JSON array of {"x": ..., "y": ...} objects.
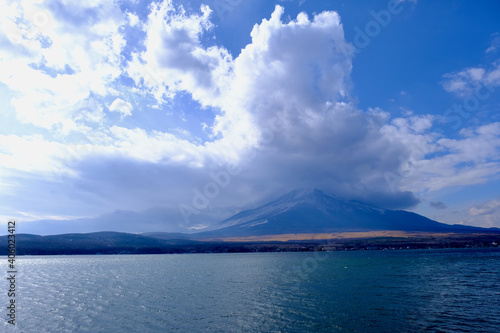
[{"x": 284, "y": 117}]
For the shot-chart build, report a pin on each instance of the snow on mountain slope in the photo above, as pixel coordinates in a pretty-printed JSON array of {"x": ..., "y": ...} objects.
[{"x": 312, "y": 211}]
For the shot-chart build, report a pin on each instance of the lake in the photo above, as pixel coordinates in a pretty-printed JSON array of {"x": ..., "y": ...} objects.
[{"x": 351, "y": 291}]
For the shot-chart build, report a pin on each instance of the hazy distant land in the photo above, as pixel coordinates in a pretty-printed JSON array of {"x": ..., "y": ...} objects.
[{"x": 122, "y": 243}]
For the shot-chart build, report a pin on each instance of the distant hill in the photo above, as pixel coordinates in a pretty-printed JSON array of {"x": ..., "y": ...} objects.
[
  {"x": 313, "y": 211},
  {"x": 92, "y": 243}
]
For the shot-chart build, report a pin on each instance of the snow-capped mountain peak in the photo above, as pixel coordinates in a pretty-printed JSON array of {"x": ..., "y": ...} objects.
[{"x": 313, "y": 211}]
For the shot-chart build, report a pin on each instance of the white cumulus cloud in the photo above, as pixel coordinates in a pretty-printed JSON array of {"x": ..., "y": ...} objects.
[{"x": 122, "y": 107}]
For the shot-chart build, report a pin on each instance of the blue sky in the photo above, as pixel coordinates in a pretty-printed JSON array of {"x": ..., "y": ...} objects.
[{"x": 169, "y": 116}]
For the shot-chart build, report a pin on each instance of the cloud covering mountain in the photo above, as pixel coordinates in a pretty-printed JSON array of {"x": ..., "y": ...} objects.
[
  {"x": 101, "y": 94},
  {"x": 313, "y": 211}
]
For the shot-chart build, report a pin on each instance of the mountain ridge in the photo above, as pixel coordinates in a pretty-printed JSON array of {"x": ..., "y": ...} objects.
[
  {"x": 312, "y": 210},
  {"x": 304, "y": 215},
  {"x": 299, "y": 220}
]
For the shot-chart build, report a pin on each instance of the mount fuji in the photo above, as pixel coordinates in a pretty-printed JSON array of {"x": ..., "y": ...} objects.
[{"x": 313, "y": 211}]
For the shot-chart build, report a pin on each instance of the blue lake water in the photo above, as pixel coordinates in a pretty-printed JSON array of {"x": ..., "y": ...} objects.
[{"x": 366, "y": 291}]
